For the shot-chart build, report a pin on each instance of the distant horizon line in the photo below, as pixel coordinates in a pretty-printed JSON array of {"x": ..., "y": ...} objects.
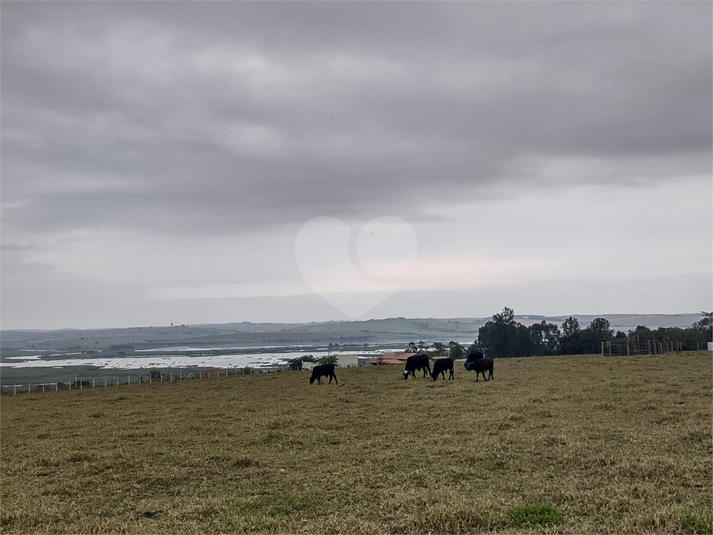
[{"x": 526, "y": 316}]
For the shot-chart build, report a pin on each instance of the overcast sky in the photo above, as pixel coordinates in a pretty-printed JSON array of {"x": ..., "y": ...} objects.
[{"x": 209, "y": 162}]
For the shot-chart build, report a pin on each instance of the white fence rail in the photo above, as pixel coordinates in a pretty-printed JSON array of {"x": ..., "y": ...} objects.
[{"x": 79, "y": 382}]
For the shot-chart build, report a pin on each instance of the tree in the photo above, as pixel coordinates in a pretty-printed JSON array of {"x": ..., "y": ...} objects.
[
  {"x": 438, "y": 348},
  {"x": 502, "y": 336},
  {"x": 456, "y": 350},
  {"x": 705, "y": 326},
  {"x": 296, "y": 363},
  {"x": 330, "y": 359},
  {"x": 411, "y": 347},
  {"x": 570, "y": 341},
  {"x": 598, "y": 331},
  {"x": 545, "y": 338},
  {"x": 643, "y": 332},
  {"x": 506, "y": 317},
  {"x": 521, "y": 345}
]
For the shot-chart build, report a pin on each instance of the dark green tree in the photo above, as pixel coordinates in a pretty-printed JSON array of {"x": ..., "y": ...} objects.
[
  {"x": 330, "y": 359},
  {"x": 438, "y": 348},
  {"x": 456, "y": 351},
  {"x": 503, "y": 336},
  {"x": 570, "y": 341},
  {"x": 296, "y": 363},
  {"x": 705, "y": 326},
  {"x": 643, "y": 332},
  {"x": 545, "y": 338},
  {"x": 521, "y": 345},
  {"x": 598, "y": 331}
]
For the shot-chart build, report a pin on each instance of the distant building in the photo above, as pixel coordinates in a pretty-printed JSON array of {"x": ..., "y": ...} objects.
[
  {"x": 348, "y": 361},
  {"x": 395, "y": 358},
  {"x": 389, "y": 358}
]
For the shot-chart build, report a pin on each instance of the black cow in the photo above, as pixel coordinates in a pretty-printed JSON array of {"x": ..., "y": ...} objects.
[
  {"x": 324, "y": 370},
  {"x": 417, "y": 362},
  {"x": 480, "y": 366},
  {"x": 474, "y": 355},
  {"x": 440, "y": 366}
]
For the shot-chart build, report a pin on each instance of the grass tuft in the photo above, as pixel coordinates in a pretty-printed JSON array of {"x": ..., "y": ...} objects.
[
  {"x": 699, "y": 521},
  {"x": 542, "y": 515}
]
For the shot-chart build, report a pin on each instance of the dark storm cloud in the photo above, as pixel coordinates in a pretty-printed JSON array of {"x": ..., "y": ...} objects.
[{"x": 220, "y": 117}]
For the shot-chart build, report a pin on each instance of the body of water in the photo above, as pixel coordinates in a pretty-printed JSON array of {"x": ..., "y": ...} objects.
[{"x": 133, "y": 362}]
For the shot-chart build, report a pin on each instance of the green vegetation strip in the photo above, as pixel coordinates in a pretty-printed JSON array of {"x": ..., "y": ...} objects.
[{"x": 573, "y": 444}]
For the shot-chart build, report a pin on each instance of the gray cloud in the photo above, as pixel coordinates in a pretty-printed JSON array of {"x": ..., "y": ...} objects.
[
  {"x": 199, "y": 122},
  {"x": 227, "y": 115}
]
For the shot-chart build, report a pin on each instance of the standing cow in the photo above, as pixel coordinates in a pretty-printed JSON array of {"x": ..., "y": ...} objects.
[
  {"x": 324, "y": 370},
  {"x": 480, "y": 366},
  {"x": 420, "y": 361},
  {"x": 440, "y": 366}
]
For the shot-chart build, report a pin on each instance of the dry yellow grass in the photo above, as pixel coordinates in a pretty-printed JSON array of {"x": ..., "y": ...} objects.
[{"x": 578, "y": 444}]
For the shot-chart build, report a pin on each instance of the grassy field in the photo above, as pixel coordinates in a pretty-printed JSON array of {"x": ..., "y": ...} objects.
[{"x": 580, "y": 444}]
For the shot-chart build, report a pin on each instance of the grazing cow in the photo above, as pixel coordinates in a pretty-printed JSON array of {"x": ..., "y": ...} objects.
[
  {"x": 480, "y": 366},
  {"x": 440, "y": 366},
  {"x": 324, "y": 370},
  {"x": 417, "y": 362}
]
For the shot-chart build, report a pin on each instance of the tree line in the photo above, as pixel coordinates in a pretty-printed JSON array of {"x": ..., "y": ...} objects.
[{"x": 502, "y": 336}]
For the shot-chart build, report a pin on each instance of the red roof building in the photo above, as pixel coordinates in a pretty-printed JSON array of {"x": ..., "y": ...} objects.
[{"x": 390, "y": 358}]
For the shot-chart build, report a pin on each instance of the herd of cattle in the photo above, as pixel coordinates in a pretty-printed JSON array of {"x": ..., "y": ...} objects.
[{"x": 421, "y": 361}]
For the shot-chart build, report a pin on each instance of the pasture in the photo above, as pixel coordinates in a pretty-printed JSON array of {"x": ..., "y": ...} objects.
[{"x": 577, "y": 444}]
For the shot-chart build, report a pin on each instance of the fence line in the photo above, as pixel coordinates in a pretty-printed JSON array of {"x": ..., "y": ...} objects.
[
  {"x": 80, "y": 382},
  {"x": 634, "y": 346}
]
